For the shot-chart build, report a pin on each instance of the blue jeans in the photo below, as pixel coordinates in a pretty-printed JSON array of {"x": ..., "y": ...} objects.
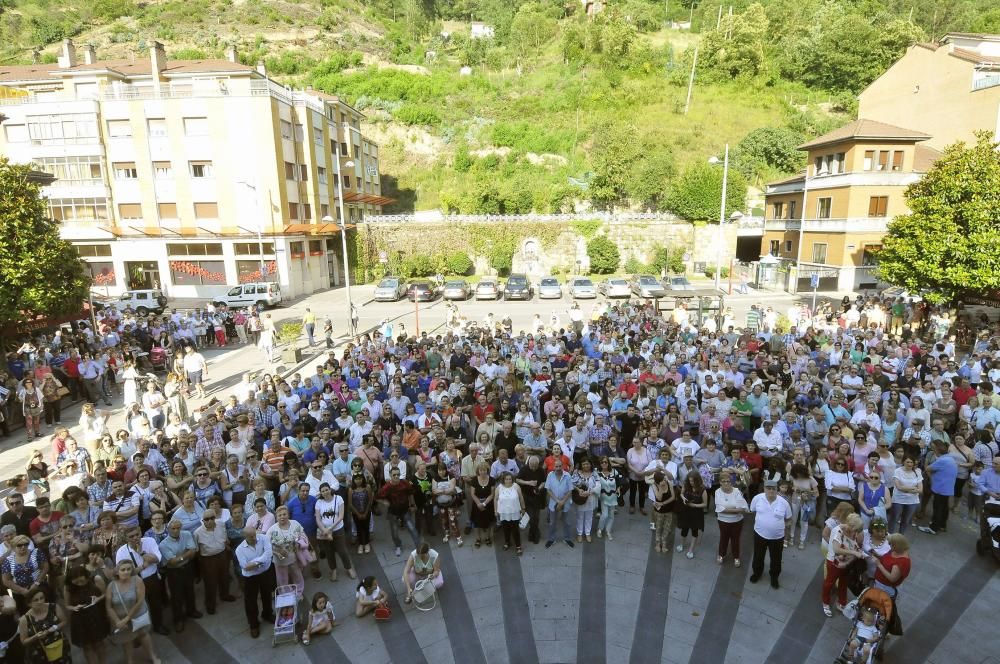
[
  {"x": 554, "y": 517},
  {"x": 900, "y": 517},
  {"x": 405, "y": 521}
]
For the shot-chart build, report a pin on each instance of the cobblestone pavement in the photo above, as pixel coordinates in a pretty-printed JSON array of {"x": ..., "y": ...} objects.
[{"x": 603, "y": 601}]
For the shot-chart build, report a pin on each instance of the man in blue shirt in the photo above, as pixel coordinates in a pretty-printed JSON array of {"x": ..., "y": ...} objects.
[
  {"x": 177, "y": 551},
  {"x": 943, "y": 472},
  {"x": 302, "y": 508},
  {"x": 560, "y": 490}
]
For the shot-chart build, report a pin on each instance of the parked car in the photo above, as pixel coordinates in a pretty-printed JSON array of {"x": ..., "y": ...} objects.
[
  {"x": 457, "y": 289},
  {"x": 421, "y": 290},
  {"x": 390, "y": 289},
  {"x": 677, "y": 283},
  {"x": 549, "y": 288},
  {"x": 143, "y": 301},
  {"x": 518, "y": 288},
  {"x": 615, "y": 288},
  {"x": 582, "y": 287},
  {"x": 647, "y": 286},
  {"x": 264, "y": 293},
  {"x": 488, "y": 289}
]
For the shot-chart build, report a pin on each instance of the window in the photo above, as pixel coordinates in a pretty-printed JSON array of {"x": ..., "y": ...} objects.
[
  {"x": 119, "y": 129},
  {"x": 819, "y": 252},
  {"x": 293, "y": 210},
  {"x": 93, "y": 250},
  {"x": 316, "y": 248},
  {"x": 70, "y": 128},
  {"x": 358, "y": 180},
  {"x": 304, "y": 172},
  {"x": 73, "y": 170},
  {"x": 788, "y": 246},
  {"x": 195, "y": 249},
  {"x": 347, "y": 181},
  {"x": 162, "y": 170},
  {"x": 324, "y": 210},
  {"x": 129, "y": 211},
  {"x": 883, "y": 160},
  {"x": 206, "y": 210},
  {"x": 252, "y": 248},
  {"x": 200, "y": 169},
  {"x": 249, "y": 271},
  {"x": 78, "y": 209},
  {"x": 877, "y": 206},
  {"x": 838, "y": 162},
  {"x": 196, "y": 126},
  {"x": 295, "y": 248},
  {"x": 869, "y": 160},
  {"x": 198, "y": 273},
  {"x": 102, "y": 273},
  {"x": 343, "y": 149},
  {"x": 290, "y": 171},
  {"x": 823, "y": 206},
  {"x": 16, "y": 133},
  {"x": 357, "y": 152},
  {"x": 791, "y": 209},
  {"x": 157, "y": 127},
  {"x": 166, "y": 210},
  {"x": 125, "y": 170},
  {"x": 318, "y": 135},
  {"x": 286, "y": 129},
  {"x": 869, "y": 256},
  {"x": 307, "y": 211},
  {"x": 897, "y": 160},
  {"x": 775, "y": 247},
  {"x": 321, "y": 174},
  {"x": 779, "y": 211},
  {"x": 298, "y": 133}
]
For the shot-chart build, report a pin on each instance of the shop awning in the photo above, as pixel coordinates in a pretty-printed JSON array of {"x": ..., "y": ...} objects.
[{"x": 370, "y": 199}]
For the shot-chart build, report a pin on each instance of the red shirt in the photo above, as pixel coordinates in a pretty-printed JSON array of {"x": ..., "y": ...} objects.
[
  {"x": 72, "y": 367},
  {"x": 49, "y": 527},
  {"x": 963, "y": 394},
  {"x": 890, "y": 560},
  {"x": 479, "y": 412},
  {"x": 550, "y": 462}
]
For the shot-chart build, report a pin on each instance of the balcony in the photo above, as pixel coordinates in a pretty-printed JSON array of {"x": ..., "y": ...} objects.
[
  {"x": 984, "y": 82},
  {"x": 844, "y": 225}
]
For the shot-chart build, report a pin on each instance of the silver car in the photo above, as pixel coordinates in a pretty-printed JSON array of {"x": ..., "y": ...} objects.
[
  {"x": 677, "y": 283},
  {"x": 647, "y": 286},
  {"x": 549, "y": 288},
  {"x": 390, "y": 289},
  {"x": 582, "y": 287},
  {"x": 615, "y": 288},
  {"x": 488, "y": 289},
  {"x": 457, "y": 289}
]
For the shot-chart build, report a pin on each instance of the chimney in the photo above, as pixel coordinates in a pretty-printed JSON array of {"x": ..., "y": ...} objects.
[
  {"x": 68, "y": 57},
  {"x": 89, "y": 54},
  {"x": 36, "y": 56},
  {"x": 158, "y": 60},
  {"x": 261, "y": 68},
  {"x": 231, "y": 54}
]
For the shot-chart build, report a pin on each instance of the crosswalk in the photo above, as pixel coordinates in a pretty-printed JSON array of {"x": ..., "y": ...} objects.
[{"x": 615, "y": 602}]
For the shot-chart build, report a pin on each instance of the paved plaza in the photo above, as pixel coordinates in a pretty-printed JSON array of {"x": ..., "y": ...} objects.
[{"x": 605, "y": 601}]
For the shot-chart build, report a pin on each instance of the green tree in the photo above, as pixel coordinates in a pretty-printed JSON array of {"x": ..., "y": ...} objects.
[
  {"x": 604, "y": 255},
  {"x": 40, "y": 274},
  {"x": 651, "y": 178},
  {"x": 770, "y": 148},
  {"x": 950, "y": 241},
  {"x": 696, "y": 194},
  {"x": 737, "y": 49},
  {"x": 628, "y": 168},
  {"x": 531, "y": 28}
]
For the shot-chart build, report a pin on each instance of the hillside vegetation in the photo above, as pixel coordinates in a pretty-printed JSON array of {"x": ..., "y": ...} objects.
[{"x": 555, "y": 110}]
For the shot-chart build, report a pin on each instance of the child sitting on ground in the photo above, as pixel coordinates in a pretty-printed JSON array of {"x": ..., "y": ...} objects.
[{"x": 321, "y": 619}]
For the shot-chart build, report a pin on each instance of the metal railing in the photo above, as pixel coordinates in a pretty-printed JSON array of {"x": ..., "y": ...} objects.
[
  {"x": 609, "y": 217},
  {"x": 986, "y": 82}
]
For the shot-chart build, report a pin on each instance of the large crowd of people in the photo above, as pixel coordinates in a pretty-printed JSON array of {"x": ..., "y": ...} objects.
[{"x": 845, "y": 428}]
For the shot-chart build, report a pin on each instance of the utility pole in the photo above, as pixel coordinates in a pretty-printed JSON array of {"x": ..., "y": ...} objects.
[
  {"x": 694, "y": 63},
  {"x": 718, "y": 20}
]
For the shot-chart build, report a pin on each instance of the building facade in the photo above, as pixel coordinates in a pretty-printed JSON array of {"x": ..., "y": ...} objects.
[
  {"x": 830, "y": 220},
  {"x": 948, "y": 90},
  {"x": 192, "y": 175}
]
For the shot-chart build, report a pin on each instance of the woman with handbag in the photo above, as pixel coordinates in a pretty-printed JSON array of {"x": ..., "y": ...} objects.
[
  {"x": 42, "y": 629},
  {"x": 286, "y": 538},
  {"x": 608, "y": 481},
  {"x": 585, "y": 493},
  {"x": 32, "y": 406},
  {"x": 330, "y": 536},
  {"x": 482, "y": 514},
  {"x": 510, "y": 509},
  {"x": 52, "y": 392},
  {"x": 447, "y": 497},
  {"x": 88, "y": 620},
  {"x": 125, "y": 603},
  {"x": 423, "y": 564}
]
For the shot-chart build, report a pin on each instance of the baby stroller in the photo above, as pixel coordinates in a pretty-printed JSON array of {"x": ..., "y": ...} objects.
[
  {"x": 864, "y": 643},
  {"x": 989, "y": 530},
  {"x": 159, "y": 358},
  {"x": 286, "y": 609}
]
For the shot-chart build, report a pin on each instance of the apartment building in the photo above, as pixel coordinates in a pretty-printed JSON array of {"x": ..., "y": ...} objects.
[
  {"x": 830, "y": 220},
  {"x": 947, "y": 89},
  {"x": 192, "y": 175}
]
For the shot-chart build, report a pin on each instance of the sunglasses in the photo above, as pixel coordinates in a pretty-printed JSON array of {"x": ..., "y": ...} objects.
[{"x": 202, "y": 475}]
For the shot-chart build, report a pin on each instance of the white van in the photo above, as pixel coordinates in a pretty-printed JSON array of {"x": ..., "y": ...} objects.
[{"x": 265, "y": 293}]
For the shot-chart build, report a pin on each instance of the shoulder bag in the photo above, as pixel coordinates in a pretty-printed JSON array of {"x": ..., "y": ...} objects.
[
  {"x": 139, "y": 621},
  {"x": 53, "y": 649}
]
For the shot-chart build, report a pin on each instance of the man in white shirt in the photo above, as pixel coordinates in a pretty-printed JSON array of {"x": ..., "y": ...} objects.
[
  {"x": 213, "y": 559},
  {"x": 773, "y": 515},
  {"x": 254, "y": 558},
  {"x": 768, "y": 440},
  {"x": 318, "y": 476},
  {"x": 196, "y": 369},
  {"x": 145, "y": 555},
  {"x": 359, "y": 430}
]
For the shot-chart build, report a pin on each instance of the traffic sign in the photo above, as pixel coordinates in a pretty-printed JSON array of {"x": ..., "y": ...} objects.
[{"x": 814, "y": 281}]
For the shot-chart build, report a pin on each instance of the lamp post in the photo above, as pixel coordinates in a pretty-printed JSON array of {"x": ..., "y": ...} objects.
[
  {"x": 260, "y": 224},
  {"x": 722, "y": 215}
]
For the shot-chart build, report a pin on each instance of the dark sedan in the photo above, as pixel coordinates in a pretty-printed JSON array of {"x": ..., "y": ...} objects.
[{"x": 422, "y": 291}]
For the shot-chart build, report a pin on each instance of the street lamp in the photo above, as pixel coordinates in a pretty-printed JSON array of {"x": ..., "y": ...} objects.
[
  {"x": 260, "y": 224},
  {"x": 722, "y": 214}
]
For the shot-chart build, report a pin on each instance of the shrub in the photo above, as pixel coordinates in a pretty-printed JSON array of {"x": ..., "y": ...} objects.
[
  {"x": 635, "y": 266},
  {"x": 418, "y": 265},
  {"x": 418, "y": 114},
  {"x": 458, "y": 262},
  {"x": 710, "y": 272},
  {"x": 603, "y": 254},
  {"x": 289, "y": 332},
  {"x": 670, "y": 259},
  {"x": 501, "y": 255}
]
